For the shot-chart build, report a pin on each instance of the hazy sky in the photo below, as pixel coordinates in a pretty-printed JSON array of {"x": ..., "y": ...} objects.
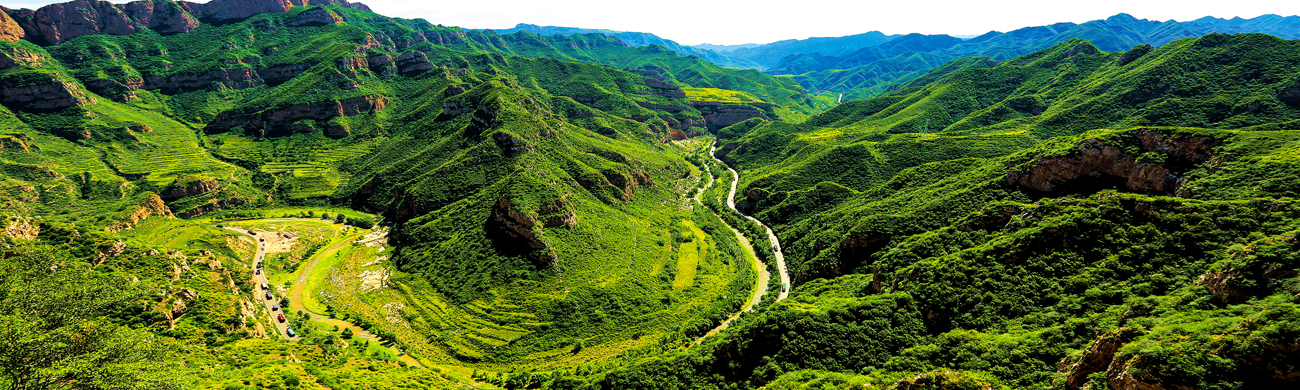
[{"x": 734, "y": 22}]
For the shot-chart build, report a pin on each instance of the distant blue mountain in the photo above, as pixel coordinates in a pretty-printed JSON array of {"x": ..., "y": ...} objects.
[
  {"x": 875, "y": 68},
  {"x": 638, "y": 39}
]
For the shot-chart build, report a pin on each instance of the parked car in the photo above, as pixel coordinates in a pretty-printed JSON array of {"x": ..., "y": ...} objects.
[
  {"x": 280, "y": 317},
  {"x": 290, "y": 332}
]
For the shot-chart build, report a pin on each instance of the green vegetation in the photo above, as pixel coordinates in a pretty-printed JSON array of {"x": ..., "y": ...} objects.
[{"x": 441, "y": 207}]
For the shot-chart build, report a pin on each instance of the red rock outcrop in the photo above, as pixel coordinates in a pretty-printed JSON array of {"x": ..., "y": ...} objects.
[
  {"x": 57, "y": 23},
  {"x": 220, "y": 10},
  {"x": 280, "y": 122},
  {"x": 9, "y": 29},
  {"x": 41, "y": 92},
  {"x": 164, "y": 17},
  {"x": 1095, "y": 159},
  {"x": 318, "y": 16}
]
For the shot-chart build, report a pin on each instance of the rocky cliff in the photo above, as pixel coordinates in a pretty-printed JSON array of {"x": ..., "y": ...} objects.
[
  {"x": 9, "y": 29},
  {"x": 286, "y": 121},
  {"x": 517, "y": 234},
  {"x": 1158, "y": 168},
  {"x": 41, "y": 92},
  {"x": 57, "y": 23},
  {"x": 718, "y": 115}
]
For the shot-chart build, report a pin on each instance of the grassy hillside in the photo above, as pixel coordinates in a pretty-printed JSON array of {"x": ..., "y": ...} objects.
[{"x": 446, "y": 208}]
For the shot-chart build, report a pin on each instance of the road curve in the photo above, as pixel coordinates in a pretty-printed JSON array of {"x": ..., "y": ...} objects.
[
  {"x": 760, "y": 286},
  {"x": 259, "y": 279},
  {"x": 776, "y": 244}
]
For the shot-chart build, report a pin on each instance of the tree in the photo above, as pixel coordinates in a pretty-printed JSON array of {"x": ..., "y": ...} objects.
[
  {"x": 347, "y": 333},
  {"x": 54, "y": 332}
]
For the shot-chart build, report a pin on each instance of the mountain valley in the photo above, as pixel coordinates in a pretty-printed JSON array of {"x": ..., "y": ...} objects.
[{"x": 308, "y": 194}]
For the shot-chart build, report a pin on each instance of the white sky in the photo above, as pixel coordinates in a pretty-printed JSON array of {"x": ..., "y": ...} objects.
[{"x": 734, "y": 22}]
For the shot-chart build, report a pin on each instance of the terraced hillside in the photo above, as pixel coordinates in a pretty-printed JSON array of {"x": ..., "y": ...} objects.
[{"x": 508, "y": 171}]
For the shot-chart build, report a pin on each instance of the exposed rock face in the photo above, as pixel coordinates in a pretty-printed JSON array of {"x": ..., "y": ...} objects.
[
  {"x": 413, "y": 62},
  {"x": 280, "y": 122},
  {"x": 221, "y": 10},
  {"x": 150, "y": 206},
  {"x": 1097, "y": 161},
  {"x": 22, "y": 228},
  {"x": 1097, "y": 357},
  {"x": 15, "y": 57},
  {"x": 510, "y": 144},
  {"x": 163, "y": 17},
  {"x": 514, "y": 234},
  {"x": 9, "y": 29},
  {"x": 219, "y": 79},
  {"x": 318, "y": 16},
  {"x": 719, "y": 115},
  {"x": 179, "y": 306},
  {"x": 112, "y": 250},
  {"x": 57, "y": 23},
  {"x": 41, "y": 92},
  {"x": 182, "y": 188}
]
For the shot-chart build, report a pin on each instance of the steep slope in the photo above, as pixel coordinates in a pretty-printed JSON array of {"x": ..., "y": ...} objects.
[
  {"x": 508, "y": 172},
  {"x": 1019, "y": 248}
]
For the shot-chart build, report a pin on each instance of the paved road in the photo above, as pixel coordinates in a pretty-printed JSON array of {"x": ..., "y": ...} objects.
[
  {"x": 760, "y": 286},
  {"x": 259, "y": 279},
  {"x": 776, "y": 244}
]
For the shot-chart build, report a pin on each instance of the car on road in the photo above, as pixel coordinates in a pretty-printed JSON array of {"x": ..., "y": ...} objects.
[
  {"x": 275, "y": 307},
  {"x": 268, "y": 295},
  {"x": 264, "y": 287},
  {"x": 290, "y": 332},
  {"x": 280, "y": 317}
]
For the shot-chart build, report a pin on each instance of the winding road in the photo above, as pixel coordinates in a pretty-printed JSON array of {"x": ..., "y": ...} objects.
[
  {"x": 764, "y": 276},
  {"x": 776, "y": 244}
]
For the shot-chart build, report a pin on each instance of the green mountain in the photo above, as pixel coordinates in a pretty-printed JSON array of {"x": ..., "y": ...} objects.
[
  {"x": 880, "y": 68},
  {"x": 307, "y": 194},
  {"x": 639, "y": 39},
  {"x": 976, "y": 230}
]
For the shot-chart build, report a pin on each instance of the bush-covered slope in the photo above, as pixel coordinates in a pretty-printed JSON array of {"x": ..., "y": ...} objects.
[
  {"x": 881, "y": 68},
  {"x": 510, "y": 166},
  {"x": 1006, "y": 247}
]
